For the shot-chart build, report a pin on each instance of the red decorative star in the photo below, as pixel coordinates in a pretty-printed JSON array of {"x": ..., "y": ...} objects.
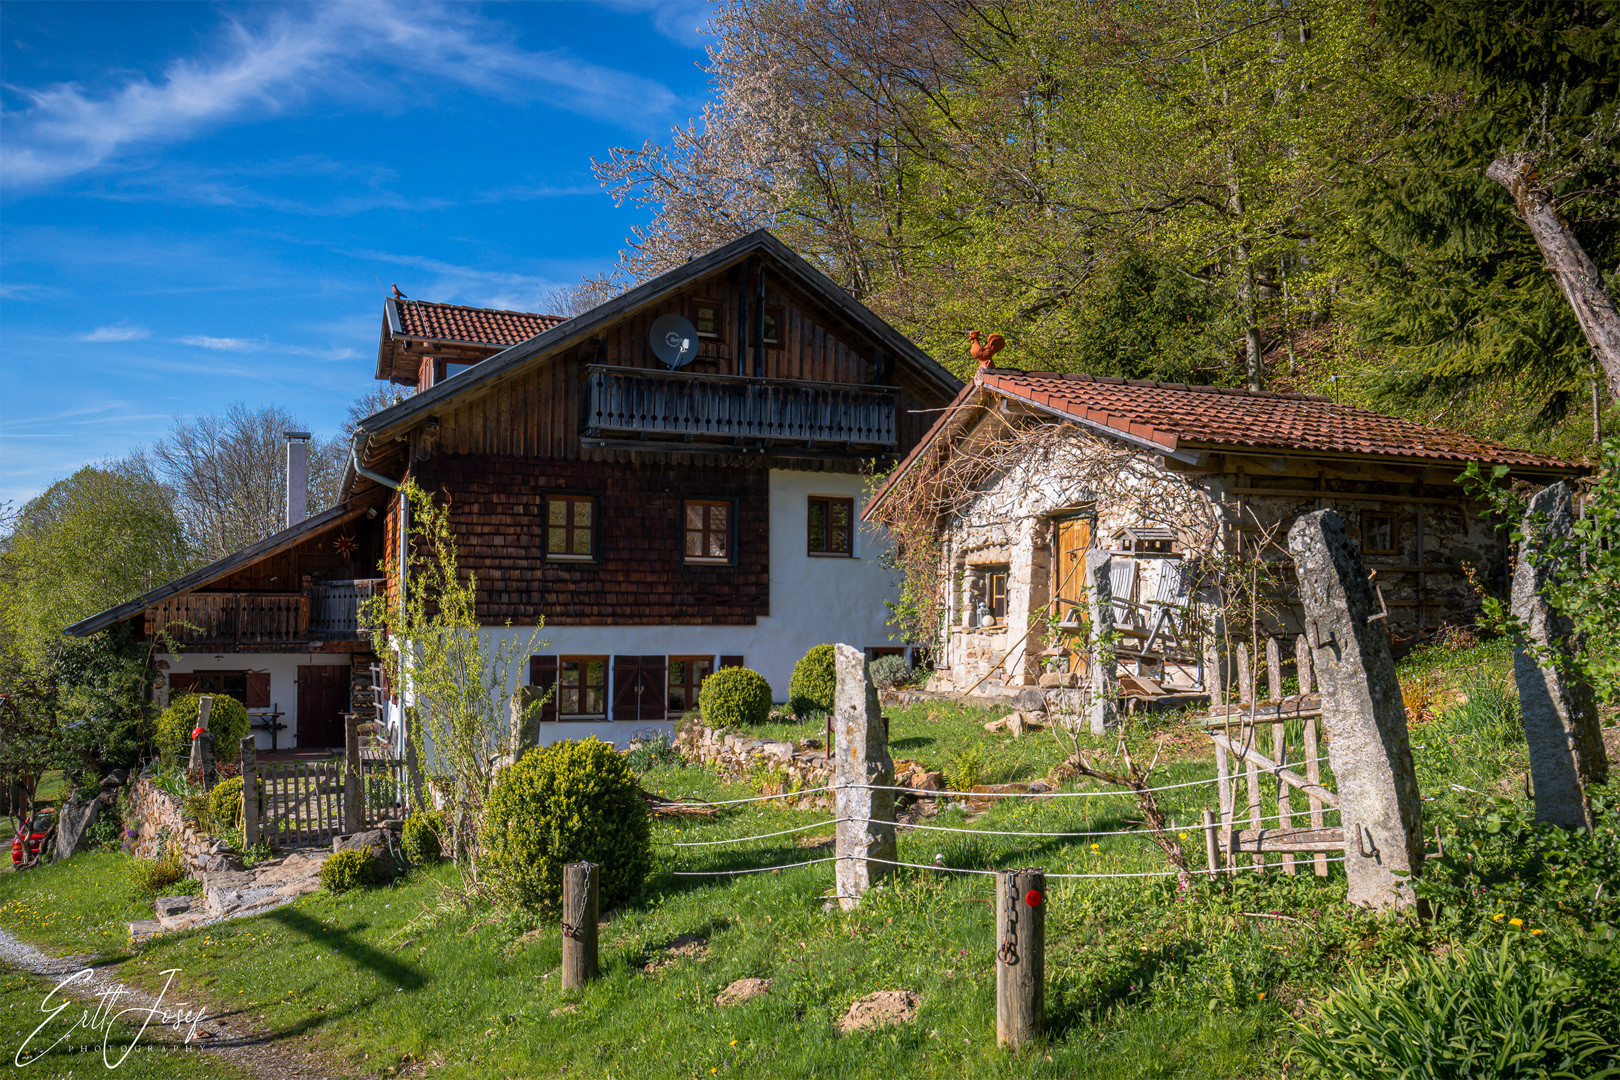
[{"x": 345, "y": 545}]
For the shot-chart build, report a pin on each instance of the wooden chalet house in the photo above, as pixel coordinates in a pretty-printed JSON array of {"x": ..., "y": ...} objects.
[{"x": 668, "y": 503}]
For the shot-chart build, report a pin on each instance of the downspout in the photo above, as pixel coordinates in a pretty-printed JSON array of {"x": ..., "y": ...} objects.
[{"x": 360, "y": 439}]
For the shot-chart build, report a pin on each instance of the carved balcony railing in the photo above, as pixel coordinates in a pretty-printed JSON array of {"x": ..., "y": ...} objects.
[
  {"x": 640, "y": 402},
  {"x": 325, "y": 612}
]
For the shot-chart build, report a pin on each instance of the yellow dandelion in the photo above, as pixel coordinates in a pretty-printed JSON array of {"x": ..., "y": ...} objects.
[
  {"x": 1262, "y": 995},
  {"x": 1515, "y": 922},
  {"x": 1535, "y": 932}
]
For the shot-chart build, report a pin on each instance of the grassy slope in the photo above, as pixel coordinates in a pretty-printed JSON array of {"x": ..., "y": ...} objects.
[{"x": 1140, "y": 982}]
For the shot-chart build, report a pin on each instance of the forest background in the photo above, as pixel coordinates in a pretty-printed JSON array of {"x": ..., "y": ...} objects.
[{"x": 1288, "y": 197}]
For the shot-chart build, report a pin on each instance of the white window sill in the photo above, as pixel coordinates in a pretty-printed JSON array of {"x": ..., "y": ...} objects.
[
  {"x": 829, "y": 555},
  {"x": 570, "y": 558},
  {"x": 707, "y": 562}
]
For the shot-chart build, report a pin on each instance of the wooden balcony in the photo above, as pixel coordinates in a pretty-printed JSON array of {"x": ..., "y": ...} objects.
[
  {"x": 325, "y": 612},
  {"x": 668, "y": 404}
]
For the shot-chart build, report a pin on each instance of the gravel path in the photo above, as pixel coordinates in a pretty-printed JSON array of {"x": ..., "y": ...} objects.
[{"x": 229, "y": 1037}]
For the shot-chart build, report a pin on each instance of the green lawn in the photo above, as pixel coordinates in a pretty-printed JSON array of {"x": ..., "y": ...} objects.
[{"x": 1142, "y": 980}]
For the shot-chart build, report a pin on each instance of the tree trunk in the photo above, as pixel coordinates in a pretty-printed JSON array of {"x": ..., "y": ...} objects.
[{"x": 1571, "y": 267}]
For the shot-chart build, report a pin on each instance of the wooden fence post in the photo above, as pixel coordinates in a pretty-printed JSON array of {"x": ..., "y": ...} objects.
[
  {"x": 202, "y": 744},
  {"x": 1212, "y": 848},
  {"x": 250, "y": 792},
  {"x": 1302, "y": 663},
  {"x": 1273, "y": 671},
  {"x": 352, "y": 818},
  {"x": 1245, "y": 675},
  {"x": 1285, "y": 808},
  {"x": 579, "y": 924},
  {"x": 1020, "y": 956}
]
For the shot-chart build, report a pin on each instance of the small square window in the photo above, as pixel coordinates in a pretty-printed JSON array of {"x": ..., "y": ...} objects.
[
  {"x": 708, "y": 318},
  {"x": 570, "y": 527},
  {"x": 831, "y": 526},
  {"x": 582, "y": 688},
  {"x": 995, "y": 595},
  {"x": 1379, "y": 534},
  {"x": 686, "y": 675},
  {"x": 708, "y": 530},
  {"x": 773, "y": 326}
]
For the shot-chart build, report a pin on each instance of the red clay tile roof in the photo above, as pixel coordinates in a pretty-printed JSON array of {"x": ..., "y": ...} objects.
[
  {"x": 1169, "y": 415},
  {"x": 478, "y": 326}
]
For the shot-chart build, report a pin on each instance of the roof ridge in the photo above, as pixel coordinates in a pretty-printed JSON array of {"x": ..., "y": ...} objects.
[
  {"x": 1202, "y": 388},
  {"x": 491, "y": 310}
]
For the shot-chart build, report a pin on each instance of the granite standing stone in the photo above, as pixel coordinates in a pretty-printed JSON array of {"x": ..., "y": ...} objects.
[
  {"x": 1104, "y": 708},
  {"x": 1363, "y": 713},
  {"x": 1560, "y": 714},
  {"x": 865, "y": 817}
]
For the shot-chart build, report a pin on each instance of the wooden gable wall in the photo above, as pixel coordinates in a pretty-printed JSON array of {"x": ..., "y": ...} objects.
[
  {"x": 538, "y": 413},
  {"x": 316, "y": 556}
]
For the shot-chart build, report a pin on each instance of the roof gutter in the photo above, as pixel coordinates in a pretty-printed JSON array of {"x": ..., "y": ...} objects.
[{"x": 355, "y": 447}]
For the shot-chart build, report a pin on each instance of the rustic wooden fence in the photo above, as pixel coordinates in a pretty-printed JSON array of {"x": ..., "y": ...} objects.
[
  {"x": 305, "y": 803},
  {"x": 1249, "y": 779}
]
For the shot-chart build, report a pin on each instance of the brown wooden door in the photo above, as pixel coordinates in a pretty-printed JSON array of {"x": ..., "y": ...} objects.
[
  {"x": 1069, "y": 588},
  {"x": 323, "y": 698}
]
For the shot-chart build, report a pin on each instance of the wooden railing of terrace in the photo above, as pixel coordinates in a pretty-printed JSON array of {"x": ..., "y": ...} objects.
[{"x": 642, "y": 402}]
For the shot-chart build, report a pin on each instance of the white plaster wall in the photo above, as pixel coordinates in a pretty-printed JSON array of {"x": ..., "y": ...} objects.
[
  {"x": 283, "y": 668},
  {"x": 814, "y": 599}
]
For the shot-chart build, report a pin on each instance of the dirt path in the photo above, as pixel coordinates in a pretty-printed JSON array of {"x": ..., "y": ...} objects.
[{"x": 229, "y": 1037}]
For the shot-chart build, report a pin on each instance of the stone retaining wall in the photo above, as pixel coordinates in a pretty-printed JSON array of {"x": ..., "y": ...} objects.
[
  {"x": 157, "y": 822},
  {"x": 734, "y": 756}
]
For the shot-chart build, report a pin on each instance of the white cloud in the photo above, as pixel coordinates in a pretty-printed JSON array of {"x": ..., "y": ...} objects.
[
  {"x": 681, "y": 21},
  {"x": 383, "y": 55},
  {"x": 227, "y": 344},
  {"x": 116, "y": 333}
]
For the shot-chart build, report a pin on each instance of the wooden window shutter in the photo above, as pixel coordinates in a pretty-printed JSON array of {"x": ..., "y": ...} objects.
[
  {"x": 543, "y": 676},
  {"x": 258, "y": 690},
  {"x": 640, "y": 692},
  {"x": 181, "y": 682},
  {"x": 732, "y": 661}
]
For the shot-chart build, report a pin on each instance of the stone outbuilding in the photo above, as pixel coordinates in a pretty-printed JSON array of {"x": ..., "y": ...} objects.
[{"x": 1192, "y": 490}]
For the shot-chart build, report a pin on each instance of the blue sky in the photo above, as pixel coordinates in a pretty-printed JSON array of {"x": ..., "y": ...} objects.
[{"x": 206, "y": 203}]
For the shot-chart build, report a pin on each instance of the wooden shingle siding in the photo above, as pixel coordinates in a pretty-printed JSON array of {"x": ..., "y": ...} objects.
[{"x": 497, "y": 508}]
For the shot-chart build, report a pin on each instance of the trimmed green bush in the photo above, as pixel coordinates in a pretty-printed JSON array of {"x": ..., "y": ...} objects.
[
  {"x": 225, "y": 804},
  {"x": 814, "y": 685},
  {"x": 891, "y": 671},
  {"x": 420, "y": 837},
  {"x": 564, "y": 803},
  {"x": 735, "y": 696},
  {"x": 228, "y": 722},
  {"x": 347, "y": 870}
]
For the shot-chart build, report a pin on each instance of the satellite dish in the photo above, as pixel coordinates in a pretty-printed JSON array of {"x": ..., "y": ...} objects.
[{"x": 673, "y": 340}]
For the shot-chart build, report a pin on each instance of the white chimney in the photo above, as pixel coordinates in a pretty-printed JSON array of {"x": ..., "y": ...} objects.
[{"x": 297, "y": 476}]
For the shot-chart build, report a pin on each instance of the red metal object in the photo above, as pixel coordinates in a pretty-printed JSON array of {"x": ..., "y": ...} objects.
[
  {"x": 198, "y": 731},
  {"x": 1033, "y": 898}
]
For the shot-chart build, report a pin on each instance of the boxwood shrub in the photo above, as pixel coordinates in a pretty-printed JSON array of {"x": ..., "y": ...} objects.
[
  {"x": 347, "y": 870},
  {"x": 814, "y": 685},
  {"x": 733, "y": 697},
  {"x": 559, "y": 804},
  {"x": 420, "y": 837},
  {"x": 228, "y": 722}
]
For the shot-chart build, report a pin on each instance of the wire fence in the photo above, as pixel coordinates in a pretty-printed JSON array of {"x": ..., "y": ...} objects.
[{"x": 1181, "y": 831}]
